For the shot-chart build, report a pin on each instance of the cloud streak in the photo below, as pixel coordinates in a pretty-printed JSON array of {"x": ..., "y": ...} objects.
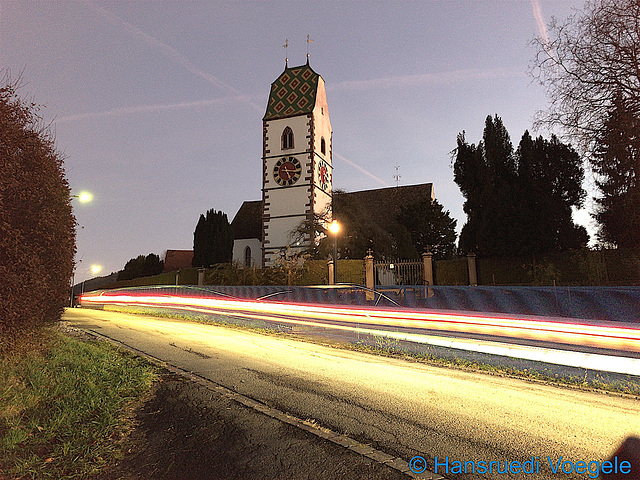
[
  {"x": 542, "y": 27},
  {"x": 406, "y": 81},
  {"x": 360, "y": 169},
  {"x": 143, "y": 109},
  {"x": 174, "y": 55}
]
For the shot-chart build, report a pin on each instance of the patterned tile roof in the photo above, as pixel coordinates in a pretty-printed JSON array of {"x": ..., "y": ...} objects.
[{"x": 293, "y": 93}]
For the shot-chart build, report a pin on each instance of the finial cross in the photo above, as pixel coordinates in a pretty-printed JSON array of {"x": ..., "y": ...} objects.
[
  {"x": 286, "y": 54},
  {"x": 397, "y": 176},
  {"x": 309, "y": 41}
]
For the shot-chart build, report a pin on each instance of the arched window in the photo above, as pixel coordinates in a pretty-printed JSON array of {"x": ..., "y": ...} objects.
[
  {"x": 287, "y": 138},
  {"x": 323, "y": 146},
  {"x": 247, "y": 256}
]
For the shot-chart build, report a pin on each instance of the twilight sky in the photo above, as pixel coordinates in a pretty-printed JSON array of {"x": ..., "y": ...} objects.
[{"x": 157, "y": 106}]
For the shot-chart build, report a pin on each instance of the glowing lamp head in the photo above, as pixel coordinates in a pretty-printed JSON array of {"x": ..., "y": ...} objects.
[
  {"x": 95, "y": 269},
  {"x": 85, "y": 197},
  {"x": 334, "y": 227}
]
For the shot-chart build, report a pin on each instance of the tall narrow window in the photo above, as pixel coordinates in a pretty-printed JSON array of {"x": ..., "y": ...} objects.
[
  {"x": 323, "y": 146},
  {"x": 247, "y": 256},
  {"x": 287, "y": 138}
]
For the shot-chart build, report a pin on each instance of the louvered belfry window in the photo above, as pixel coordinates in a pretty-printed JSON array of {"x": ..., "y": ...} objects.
[{"x": 287, "y": 138}]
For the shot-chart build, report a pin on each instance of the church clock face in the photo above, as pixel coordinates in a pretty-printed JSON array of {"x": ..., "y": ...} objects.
[
  {"x": 323, "y": 175},
  {"x": 287, "y": 171}
]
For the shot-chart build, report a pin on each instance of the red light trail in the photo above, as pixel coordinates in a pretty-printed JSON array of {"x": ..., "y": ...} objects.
[{"x": 424, "y": 326}]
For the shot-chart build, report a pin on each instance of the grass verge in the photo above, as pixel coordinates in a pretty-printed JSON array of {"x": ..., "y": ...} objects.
[
  {"x": 534, "y": 371},
  {"x": 66, "y": 406}
]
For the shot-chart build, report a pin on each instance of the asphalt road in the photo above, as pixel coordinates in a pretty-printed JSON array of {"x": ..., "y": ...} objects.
[{"x": 402, "y": 408}]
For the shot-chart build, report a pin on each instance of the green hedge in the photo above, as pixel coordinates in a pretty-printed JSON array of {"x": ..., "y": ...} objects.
[
  {"x": 451, "y": 272},
  {"x": 579, "y": 267},
  {"x": 351, "y": 271}
]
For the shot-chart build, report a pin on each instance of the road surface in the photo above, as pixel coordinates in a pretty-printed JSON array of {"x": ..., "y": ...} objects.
[{"x": 402, "y": 408}]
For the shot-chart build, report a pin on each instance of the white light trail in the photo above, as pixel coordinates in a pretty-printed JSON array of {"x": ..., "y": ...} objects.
[{"x": 376, "y": 322}]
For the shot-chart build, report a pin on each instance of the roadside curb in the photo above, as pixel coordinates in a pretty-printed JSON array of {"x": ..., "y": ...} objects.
[{"x": 365, "y": 450}]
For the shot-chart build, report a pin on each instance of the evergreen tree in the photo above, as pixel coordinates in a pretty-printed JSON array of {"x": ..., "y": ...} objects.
[
  {"x": 470, "y": 173},
  {"x": 152, "y": 265},
  {"x": 486, "y": 175},
  {"x": 518, "y": 202},
  {"x": 616, "y": 161},
  {"x": 431, "y": 228},
  {"x": 212, "y": 240},
  {"x": 549, "y": 183},
  {"x": 141, "y": 266}
]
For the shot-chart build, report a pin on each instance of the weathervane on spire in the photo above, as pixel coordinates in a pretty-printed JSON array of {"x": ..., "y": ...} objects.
[
  {"x": 286, "y": 57},
  {"x": 308, "y": 42},
  {"x": 397, "y": 176}
]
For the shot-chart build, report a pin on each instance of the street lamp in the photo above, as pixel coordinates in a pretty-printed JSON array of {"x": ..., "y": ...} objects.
[
  {"x": 334, "y": 227},
  {"x": 83, "y": 197},
  {"x": 95, "y": 269}
]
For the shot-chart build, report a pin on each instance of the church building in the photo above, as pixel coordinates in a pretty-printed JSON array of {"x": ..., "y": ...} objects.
[
  {"x": 297, "y": 171},
  {"x": 296, "y": 159},
  {"x": 296, "y": 168}
]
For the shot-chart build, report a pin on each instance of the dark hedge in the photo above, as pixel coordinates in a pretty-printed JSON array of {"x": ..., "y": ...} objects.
[{"x": 37, "y": 226}]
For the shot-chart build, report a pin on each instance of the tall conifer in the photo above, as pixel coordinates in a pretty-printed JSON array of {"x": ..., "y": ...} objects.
[
  {"x": 212, "y": 240},
  {"x": 617, "y": 164}
]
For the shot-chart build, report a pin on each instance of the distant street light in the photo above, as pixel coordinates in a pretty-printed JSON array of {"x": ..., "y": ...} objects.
[
  {"x": 334, "y": 227},
  {"x": 83, "y": 197},
  {"x": 95, "y": 269}
]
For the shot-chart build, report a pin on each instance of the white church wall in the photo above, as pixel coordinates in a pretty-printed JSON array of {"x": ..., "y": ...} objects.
[
  {"x": 322, "y": 124},
  {"x": 239, "y": 251},
  {"x": 279, "y": 236},
  {"x": 273, "y": 142},
  {"x": 288, "y": 201}
]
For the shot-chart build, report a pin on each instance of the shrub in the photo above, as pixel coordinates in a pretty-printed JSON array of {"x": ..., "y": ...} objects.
[{"x": 37, "y": 226}]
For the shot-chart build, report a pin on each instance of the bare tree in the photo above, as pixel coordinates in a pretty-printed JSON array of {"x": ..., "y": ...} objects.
[{"x": 587, "y": 59}]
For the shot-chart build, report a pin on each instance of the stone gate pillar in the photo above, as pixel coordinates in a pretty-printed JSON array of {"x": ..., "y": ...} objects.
[
  {"x": 427, "y": 268},
  {"x": 369, "y": 274},
  {"x": 473, "y": 272}
]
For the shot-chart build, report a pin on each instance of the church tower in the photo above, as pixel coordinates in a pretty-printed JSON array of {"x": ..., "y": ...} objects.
[{"x": 297, "y": 166}]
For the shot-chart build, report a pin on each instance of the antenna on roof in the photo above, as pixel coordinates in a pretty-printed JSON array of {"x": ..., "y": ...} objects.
[
  {"x": 309, "y": 41},
  {"x": 397, "y": 176},
  {"x": 286, "y": 58}
]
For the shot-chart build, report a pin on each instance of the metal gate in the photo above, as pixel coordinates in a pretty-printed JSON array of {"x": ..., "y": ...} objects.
[{"x": 400, "y": 272}]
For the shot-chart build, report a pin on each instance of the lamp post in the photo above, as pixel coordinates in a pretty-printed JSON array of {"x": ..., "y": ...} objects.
[
  {"x": 83, "y": 197},
  {"x": 334, "y": 227},
  {"x": 73, "y": 279}
]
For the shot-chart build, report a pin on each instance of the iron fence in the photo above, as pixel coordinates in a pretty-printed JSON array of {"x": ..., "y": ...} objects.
[{"x": 399, "y": 272}]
